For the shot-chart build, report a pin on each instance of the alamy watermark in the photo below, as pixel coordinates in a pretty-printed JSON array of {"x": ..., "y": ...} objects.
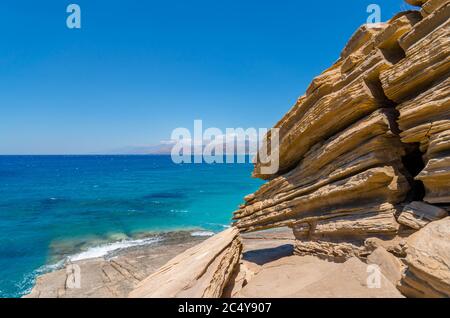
[
  {"x": 73, "y": 21},
  {"x": 235, "y": 145},
  {"x": 373, "y": 276},
  {"x": 73, "y": 279},
  {"x": 374, "y": 19}
]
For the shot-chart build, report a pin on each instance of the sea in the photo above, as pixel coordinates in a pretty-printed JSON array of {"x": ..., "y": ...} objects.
[{"x": 59, "y": 208}]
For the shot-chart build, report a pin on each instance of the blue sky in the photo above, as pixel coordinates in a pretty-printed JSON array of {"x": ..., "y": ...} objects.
[{"x": 138, "y": 69}]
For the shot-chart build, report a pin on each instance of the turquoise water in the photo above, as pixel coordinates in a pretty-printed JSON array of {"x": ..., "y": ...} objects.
[{"x": 52, "y": 206}]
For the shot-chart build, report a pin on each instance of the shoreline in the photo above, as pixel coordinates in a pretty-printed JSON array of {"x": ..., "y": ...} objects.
[
  {"x": 88, "y": 247},
  {"x": 116, "y": 274},
  {"x": 106, "y": 269},
  {"x": 68, "y": 206}
]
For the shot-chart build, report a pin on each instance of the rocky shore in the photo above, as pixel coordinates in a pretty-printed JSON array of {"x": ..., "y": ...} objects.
[
  {"x": 266, "y": 268},
  {"x": 117, "y": 273}
]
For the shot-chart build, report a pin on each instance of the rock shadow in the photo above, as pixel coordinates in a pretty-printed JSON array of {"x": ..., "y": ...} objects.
[{"x": 267, "y": 255}]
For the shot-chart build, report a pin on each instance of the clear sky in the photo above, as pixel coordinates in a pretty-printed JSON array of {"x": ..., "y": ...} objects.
[{"x": 138, "y": 69}]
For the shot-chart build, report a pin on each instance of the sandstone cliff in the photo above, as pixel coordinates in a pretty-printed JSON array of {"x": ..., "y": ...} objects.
[{"x": 365, "y": 153}]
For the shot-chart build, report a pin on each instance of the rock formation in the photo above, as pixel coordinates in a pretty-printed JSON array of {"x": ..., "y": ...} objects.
[
  {"x": 201, "y": 271},
  {"x": 364, "y": 154},
  {"x": 417, "y": 214}
]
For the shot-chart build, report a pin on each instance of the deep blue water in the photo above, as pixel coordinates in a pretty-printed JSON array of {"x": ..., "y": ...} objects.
[{"x": 56, "y": 205}]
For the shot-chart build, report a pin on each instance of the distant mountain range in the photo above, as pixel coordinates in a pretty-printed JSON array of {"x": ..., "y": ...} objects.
[
  {"x": 160, "y": 149},
  {"x": 165, "y": 148}
]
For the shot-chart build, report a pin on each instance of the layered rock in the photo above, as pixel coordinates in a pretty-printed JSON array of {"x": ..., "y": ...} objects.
[
  {"x": 362, "y": 160},
  {"x": 436, "y": 174},
  {"x": 338, "y": 143},
  {"x": 317, "y": 198},
  {"x": 426, "y": 47},
  {"x": 201, "y": 271},
  {"x": 349, "y": 88},
  {"x": 430, "y": 6},
  {"x": 340, "y": 238},
  {"x": 417, "y": 214},
  {"x": 362, "y": 145},
  {"x": 420, "y": 82}
]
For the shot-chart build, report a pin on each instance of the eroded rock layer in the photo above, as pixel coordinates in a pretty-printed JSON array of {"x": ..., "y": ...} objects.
[
  {"x": 201, "y": 271},
  {"x": 343, "y": 94},
  {"x": 421, "y": 83},
  {"x": 365, "y": 153}
]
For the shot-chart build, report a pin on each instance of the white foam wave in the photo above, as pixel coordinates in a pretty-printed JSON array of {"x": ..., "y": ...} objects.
[
  {"x": 105, "y": 249},
  {"x": 202, "y": 233},
  {"x": 179, "y": 211},
  {"x": 50, "y": 267}
]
